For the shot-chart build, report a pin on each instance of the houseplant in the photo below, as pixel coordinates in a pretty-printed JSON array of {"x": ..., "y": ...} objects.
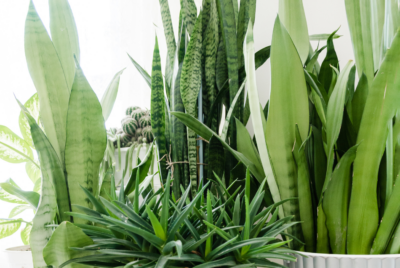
[
  {"x": 207, "y": 231},
  {"x": 318, "y": 125}
]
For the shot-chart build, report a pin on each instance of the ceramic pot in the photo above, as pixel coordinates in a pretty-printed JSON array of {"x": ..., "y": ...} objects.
[{"x": 18, "y": 257}]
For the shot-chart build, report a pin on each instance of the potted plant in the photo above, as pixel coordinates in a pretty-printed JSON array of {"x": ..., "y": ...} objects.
[{"x": 326, "y": 140}]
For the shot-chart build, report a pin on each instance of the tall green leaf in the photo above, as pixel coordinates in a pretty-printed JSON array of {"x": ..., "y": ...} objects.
[
  {"x": 288, "y": 107},
  {"x": 336, "y": 200},
  {"x": 158, "y": 110},
  {"x": 168, "y": 32},
  {"x": 54, "y": 185},
  {"x": 189, "y": 14},
  {"x": 64, "y": 36},
  {"x": 382, "y": 104},
  {"x": 86, "y": 141},
  {"x": 358, "y": 101},
  {"x": 326, "y": 75},
  {"x": 110, "y": 95},
  {"x": 292, "y": 16},
  {"x": 190, "y": 87},
  {"x": 49, "y": 79},
  {"x": 58, "y": 249}
]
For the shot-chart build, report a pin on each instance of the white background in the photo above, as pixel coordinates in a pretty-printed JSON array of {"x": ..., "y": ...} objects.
[{"x": 108, "y": 29}]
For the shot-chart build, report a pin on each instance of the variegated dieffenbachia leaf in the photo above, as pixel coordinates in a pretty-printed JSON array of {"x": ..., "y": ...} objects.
[
  {"x": 13, "y": 149},
  {"x": 32, "y": 105},
  {"x": 9, "y": 227},
  {"x": 190, "y": 87}
]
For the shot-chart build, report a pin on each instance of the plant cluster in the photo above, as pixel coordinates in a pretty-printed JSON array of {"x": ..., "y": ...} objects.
[{"x": 211, "y": 230}]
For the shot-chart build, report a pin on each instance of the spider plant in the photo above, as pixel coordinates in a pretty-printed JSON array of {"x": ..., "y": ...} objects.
[{"x": 210, "y": 230}]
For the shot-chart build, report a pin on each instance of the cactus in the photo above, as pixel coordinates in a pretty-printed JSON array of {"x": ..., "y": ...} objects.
[
  {"x": 137, "y": 114},
  {"x": 138, "y": 132},
  {"x": 145, "y": 121},
  {"x": 129, "y": 125},
  {"x": 125, "y": 138},
  {"x": 148, "y": 133},
  {"x": 131, "y": 109}
]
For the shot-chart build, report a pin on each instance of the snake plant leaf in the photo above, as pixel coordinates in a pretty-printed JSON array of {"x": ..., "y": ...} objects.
[
  {"x": 221, "y": 72},
  {"x": 245, "y": 144},
  {"x": 292, "y": 16},
  {"x": 169, "y": 34},
  {"x": 142, "y": 71},
  {"x": 334, "y": 117},
  {"x": 32, "y": 105},
  {"x": 288, "y": 107},
  {"x": 48, "y": 77},
  {"x": 336, "y": 200},
  {"x": 8, "y": 227},
  {"x": 30, "y": 197},
  {"x": 54, "y": 187},
  {"x": 110, "y": 95},
  {"x": 360, "y": 22},
  {"x": 257, "y": 116},
  {"x": 158, "y": 110},
  {"x": 247, "y": 12},
  {"x": 14, "y": 149},
  {"x": 86, "y": 141},
  {"x": 304, "y": 189},
  {"x": 26, "y": 234},
  {"x": 320, "y": 37},
  {"x": 190, "y": 87},
  {"x": 390, "y": 26},
  {"x": 58, "y": 249},
  {"x": 64, "y": 36},
  {"x": 319, "y": 159},
  {"x": 384, "y": 97},
  {"x": 224, "y": 131},
  {"x": 358, "y": 101},
  {"x": 326, "y": 73},
  {"x": 228, "y": 26},
  {"x": 216, "y": 157},
  {"x": 189, "y": 14}
]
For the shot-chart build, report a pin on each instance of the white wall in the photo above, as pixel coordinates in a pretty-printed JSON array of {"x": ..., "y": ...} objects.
[{"x": 110, "y": 28}]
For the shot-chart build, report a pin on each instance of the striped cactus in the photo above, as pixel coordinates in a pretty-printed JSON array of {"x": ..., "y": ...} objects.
[
  {"x": 148, "y": 133},
  {"x": 129, "y": 110},
  {"x": 138, "y": 132},
  {"x": 129, "y": 125},
  {"x": 125, "y": 138},
  {"x": 137, "y": 114},
  {"x": 145, "y": 121}
]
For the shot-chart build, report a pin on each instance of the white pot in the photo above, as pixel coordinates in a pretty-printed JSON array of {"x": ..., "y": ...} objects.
[
  {"x": 315, "y": 260},
  {"x": 18, "y": 257}
]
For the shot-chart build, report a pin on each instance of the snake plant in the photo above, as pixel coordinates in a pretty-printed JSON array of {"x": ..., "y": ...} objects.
[{"x": 209, "y": 230}]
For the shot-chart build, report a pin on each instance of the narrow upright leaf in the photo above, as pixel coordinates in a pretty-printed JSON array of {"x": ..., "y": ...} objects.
[
  {"x": 110, "y": 95},
  {"x": 48, "y": 76},
  {"x": 86, "y": 141},
  {"x": 292, "y": 16},
  {"x": 189, "y": 14},
  {"x": 32, "y": 105}
]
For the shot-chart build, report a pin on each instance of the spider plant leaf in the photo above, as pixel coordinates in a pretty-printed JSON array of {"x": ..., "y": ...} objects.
[
  {"x": 30, "y": 197},
  {"x": 157, "y": 107},
  {"x": 64, "y": 36},
  {"x": 382, "y": 97},
  {"x": 189, "y": 247},
  {"x": 258, "y": 117},
  {"x": 48, "y": 77},
  {"x": 335, "y": 203},
  {"x": 110, "y": 95},
  {"x": 321, "y": 37},
  {"x": 221, "y": 247},
  {"x": 143, "y": 169},
  {"x": 325, "y": 75},
  {"x": 209, "y": 241},
  {"x": 14, "y": 149},
  {"x": 66, "y": 235},
  {"x": 142, "y": 71},
  {"x": 227, "y": 261},
  {"x": 362, "y": 26},
  {"x": 190, "y": 87},
  {"x": 86, "y": 140},
  {"x": 158, "y": 230},
  {"x": 165, "y": 204},
  {"x": 32, "y": 105},
  {"x": 288, "y": 107},
  {"x": 292, "y": 16},
  {"x": 304, "y": 189},
  {"x": 173, "y": 244},
  {"x": 247, "y": 226}
]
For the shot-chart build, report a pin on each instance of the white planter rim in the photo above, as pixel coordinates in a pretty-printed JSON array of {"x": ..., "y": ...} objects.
[
  {"x": 349, "y": 256},
  {"x": 18, "y": 249}
]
